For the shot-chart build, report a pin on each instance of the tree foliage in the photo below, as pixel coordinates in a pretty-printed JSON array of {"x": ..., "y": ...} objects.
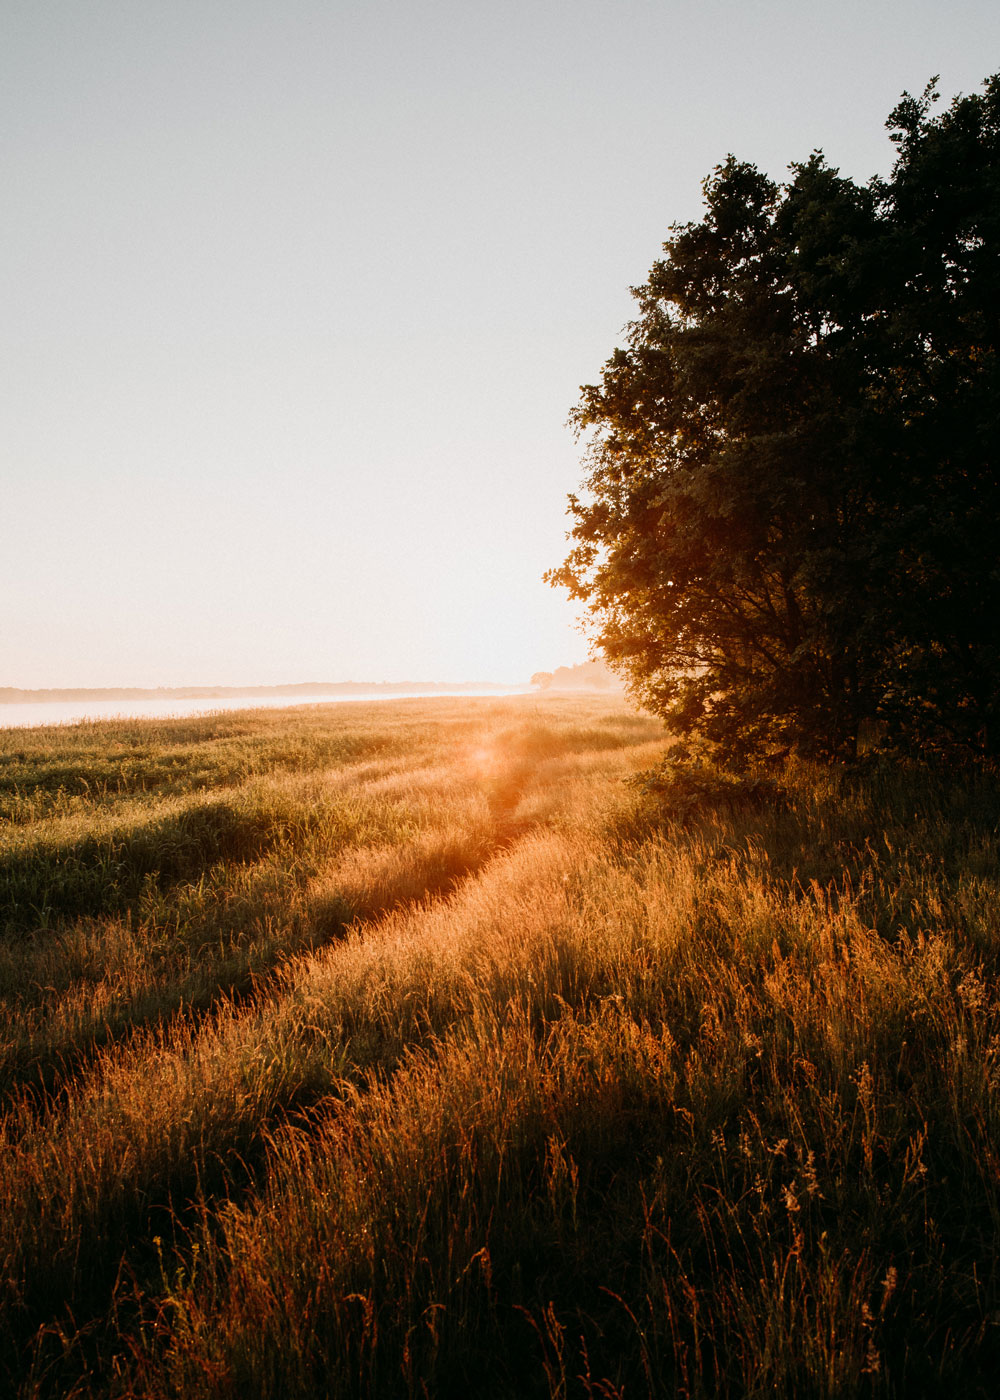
[{"x": 790, "y": 521}]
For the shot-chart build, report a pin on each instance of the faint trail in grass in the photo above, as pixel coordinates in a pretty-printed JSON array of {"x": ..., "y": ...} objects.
[
  {"x": 236, "y": 1075},
  {"x": 159, "y": 1123},
  {"x": 363, "y": 882}
]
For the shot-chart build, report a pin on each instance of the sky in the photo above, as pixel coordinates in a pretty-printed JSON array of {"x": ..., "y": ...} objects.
[{"x": 296, "y": 298}]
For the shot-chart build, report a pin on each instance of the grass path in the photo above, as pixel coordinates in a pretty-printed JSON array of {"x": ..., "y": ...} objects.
[{"x": 507, "y": 1079}]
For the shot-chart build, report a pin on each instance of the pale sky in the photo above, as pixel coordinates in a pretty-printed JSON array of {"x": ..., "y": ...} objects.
[{"x": 297, "y": 297}]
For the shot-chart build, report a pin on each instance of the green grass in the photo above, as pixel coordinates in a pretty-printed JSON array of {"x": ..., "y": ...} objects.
[{"x": 416, "y": 1050}]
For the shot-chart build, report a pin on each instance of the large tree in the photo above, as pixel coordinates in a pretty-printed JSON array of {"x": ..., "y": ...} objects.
[{"x": 790, "y": 517}]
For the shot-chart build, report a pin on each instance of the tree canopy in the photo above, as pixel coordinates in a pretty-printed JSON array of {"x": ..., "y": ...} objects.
[{"x": 789, "y": 525}]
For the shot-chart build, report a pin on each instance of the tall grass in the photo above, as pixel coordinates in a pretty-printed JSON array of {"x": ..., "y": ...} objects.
[{"x": 542, "y": 1084}]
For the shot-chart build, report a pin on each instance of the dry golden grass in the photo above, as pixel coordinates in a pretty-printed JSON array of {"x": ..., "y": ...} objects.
[{"x": 483, "y": 1072}]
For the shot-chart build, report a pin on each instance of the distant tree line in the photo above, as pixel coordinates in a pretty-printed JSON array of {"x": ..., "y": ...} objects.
[
  {"x": 588, "y": 675},
  {"x": 789, "y": 531}
]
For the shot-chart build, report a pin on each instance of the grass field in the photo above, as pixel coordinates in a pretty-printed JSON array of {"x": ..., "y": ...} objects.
[{"x": 419, "y": 1049}]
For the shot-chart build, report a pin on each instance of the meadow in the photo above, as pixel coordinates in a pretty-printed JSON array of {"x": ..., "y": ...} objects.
[{"x": 460, "y": 1048}]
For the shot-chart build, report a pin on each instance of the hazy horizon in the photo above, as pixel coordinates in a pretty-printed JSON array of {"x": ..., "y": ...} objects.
[
  {"x": 298, "y": 299},
  {"x": 212, "y": 687},
  {"x": 290, "y": 686}
]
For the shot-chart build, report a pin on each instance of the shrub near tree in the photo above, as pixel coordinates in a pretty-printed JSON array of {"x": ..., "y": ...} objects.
[{"x": 791, "y": 516}]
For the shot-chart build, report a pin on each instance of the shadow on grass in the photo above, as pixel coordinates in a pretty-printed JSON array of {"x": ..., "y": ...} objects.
[{"x": 106, "y": 872}]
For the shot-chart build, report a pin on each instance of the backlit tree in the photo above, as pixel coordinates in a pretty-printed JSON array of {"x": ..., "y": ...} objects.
[{"x": 791, "y": 511}]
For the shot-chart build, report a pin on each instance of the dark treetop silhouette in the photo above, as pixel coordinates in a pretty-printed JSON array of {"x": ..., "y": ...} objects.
[{"x": 791, "y": 514}]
